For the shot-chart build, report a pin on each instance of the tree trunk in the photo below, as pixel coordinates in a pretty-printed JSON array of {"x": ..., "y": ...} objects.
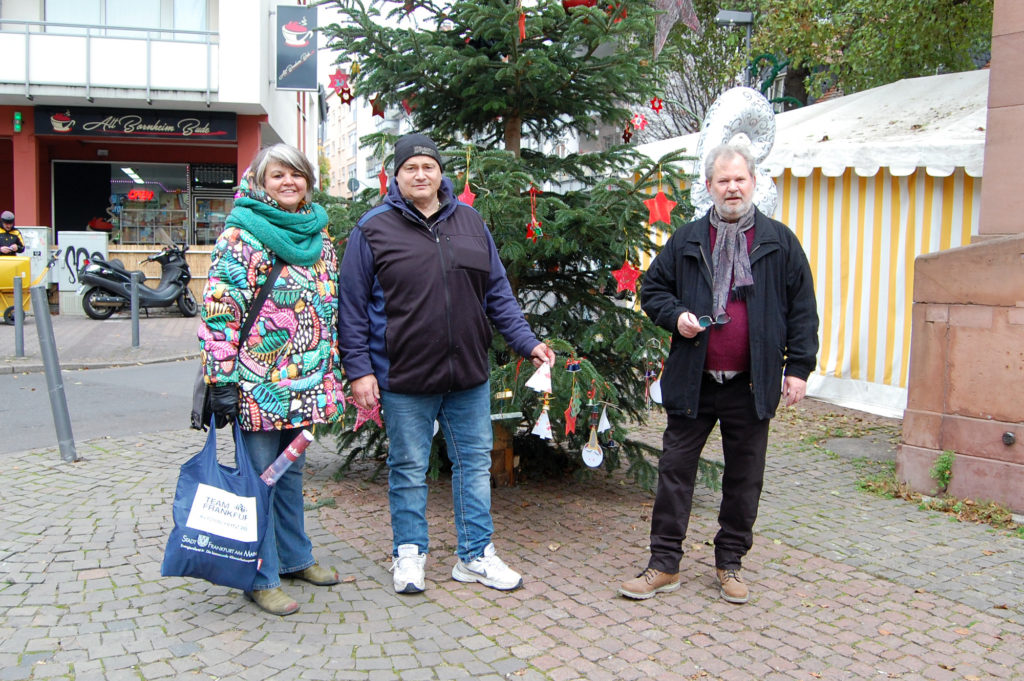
[{"x": 513, "y": 134}]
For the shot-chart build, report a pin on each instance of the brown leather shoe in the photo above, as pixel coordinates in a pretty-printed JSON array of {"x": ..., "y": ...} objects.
[
  {"x": 274, "y": 601},
  {"x": 316, "y": 575},
  {"x": 731, "y": 585},
  {"x": 648, "y": 583}
]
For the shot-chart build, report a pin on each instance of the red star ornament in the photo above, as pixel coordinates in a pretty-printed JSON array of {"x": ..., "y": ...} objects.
[
  {"x": 345, "y": 95},
  {"x": 627, "y": 134},
  {"x": 657, "y": 105},
  {"x": 377, "y": 106},
  {"x": 339, "y": 81},
  {"x": 407, "y": 106},
  {"x": 467, "y": 196},
  {"x": 383, "y": 177},
  {"x": 626, "y": 277},
  {"x": 660, "y": 208},
  {"x": 570, "y": 421},
  {"x": 364, "y": 415},
  {"x": 639, "y": 121}
]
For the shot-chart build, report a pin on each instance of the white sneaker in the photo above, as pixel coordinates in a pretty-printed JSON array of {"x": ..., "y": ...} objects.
[
  {"x": 407, "y": 569},
  {"x": 489, "y": 570}
]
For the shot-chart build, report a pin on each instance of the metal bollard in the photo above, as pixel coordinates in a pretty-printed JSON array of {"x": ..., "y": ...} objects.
[
  {"x": 54, "y": 385},
  {"x": 19, "y": 320},
  {"x": 136, "y": 282}
]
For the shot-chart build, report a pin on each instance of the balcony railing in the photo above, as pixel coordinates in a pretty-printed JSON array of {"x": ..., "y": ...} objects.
[{"x": 44, "y": 55}]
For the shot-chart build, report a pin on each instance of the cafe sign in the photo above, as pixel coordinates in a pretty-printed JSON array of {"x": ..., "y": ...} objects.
[
  {"x": 296, "y": 48},
  {"x": 96, "y": 122}
]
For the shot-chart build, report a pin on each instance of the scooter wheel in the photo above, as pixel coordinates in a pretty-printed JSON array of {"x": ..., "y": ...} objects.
[
  {"x": 9, "y": 315},
  {"x": 92, "y": 310},
  {"x": 187, "y": 304}
]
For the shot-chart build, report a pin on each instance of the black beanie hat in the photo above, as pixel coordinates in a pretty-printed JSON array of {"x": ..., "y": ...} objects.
[{"x": 415, "y": 144}]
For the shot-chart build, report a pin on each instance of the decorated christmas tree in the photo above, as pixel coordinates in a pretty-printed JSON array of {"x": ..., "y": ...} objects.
[{"x": 506, "y": 89}]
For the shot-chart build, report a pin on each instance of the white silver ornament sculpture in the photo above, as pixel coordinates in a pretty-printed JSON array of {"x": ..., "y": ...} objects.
[{"x": 739, "y": 115}]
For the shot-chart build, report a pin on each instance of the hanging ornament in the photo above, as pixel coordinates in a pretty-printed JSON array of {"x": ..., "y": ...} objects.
[
  {"x": 592, "y": 453},
  {"x": 542, "y": 428},
  {"x": 355, "y": 68},
  {"x": 627, "y": 134},
  {"x": 533, "y": 228},
  {"x": 364, "y": 415},
  {"x": 656, "y": 105},
  {"x": 639, "y": 121},
  {"x": 604, "y": 424},
  {"x": 377, "y": 106},
  {"x": 660, "y": 208},
  {"x": 541, "y": 379},
  {"x": 655, "y": 387},
  {"x": 467, "y": 196},
  {"x": 339, "y": 81},
  {"x": 383, "y": 177},
  {"x": 569, "y": 4},
  {"x": 345, "y": 95},
  {"x": 522, "y": 22},
  {"x": 625, "y": 277},
  {"x": 570, "y": 421},
  {"x": 407, "y": 106}
]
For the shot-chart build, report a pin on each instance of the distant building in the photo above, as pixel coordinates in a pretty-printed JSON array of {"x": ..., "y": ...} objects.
[{"x": 137, "y": 117}]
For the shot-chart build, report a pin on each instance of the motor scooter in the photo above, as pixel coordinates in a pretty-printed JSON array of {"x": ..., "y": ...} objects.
[{"x": 106, "y": 285}]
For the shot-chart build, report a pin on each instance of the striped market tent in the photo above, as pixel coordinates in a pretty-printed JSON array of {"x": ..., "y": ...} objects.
[{"x": 868, "y": 182}]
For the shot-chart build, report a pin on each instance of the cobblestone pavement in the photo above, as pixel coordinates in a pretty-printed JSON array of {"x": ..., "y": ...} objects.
[{"x": 844, "y": 585}]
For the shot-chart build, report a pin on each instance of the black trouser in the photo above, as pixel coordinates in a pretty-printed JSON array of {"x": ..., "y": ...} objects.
[{"x": 744, "y": 443}]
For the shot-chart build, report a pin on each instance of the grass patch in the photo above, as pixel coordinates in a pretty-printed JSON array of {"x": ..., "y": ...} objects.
[{"x": 879, "y": 478}]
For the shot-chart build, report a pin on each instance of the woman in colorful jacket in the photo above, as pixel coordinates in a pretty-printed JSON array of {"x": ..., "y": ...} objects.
[{"x": 285, "y": 375}]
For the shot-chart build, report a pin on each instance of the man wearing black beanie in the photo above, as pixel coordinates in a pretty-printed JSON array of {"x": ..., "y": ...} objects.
[{"x": 420, "y": 286}]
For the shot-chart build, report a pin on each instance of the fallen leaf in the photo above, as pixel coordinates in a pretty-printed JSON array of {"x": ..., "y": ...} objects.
[
  {"x": 349, "y": 579},
  {"x": 972, "y": 677},
  {"x": 947, "y": 667},
  {"x": 884, "y": 632},
  {"x": 962, "y": 631},
  {"x": 988, "y": 553},
  {"x": 554, "y": 547},
  {"x": 1001, "y": 606}
]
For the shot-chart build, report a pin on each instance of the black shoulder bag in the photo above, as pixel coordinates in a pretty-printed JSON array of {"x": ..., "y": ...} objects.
[{"x": 201, "y": 390}]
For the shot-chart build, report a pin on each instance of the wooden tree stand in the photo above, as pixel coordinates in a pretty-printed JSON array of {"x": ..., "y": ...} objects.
[{"x": 503, "y": 459}]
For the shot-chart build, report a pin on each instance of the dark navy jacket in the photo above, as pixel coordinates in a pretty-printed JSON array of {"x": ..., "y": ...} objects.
[
  {"x": 782, "y": 313},
  {"x": 416, "y": 302}
]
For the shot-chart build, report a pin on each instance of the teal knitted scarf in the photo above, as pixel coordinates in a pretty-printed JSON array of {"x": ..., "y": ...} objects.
[{"x": 295, "y": 237}]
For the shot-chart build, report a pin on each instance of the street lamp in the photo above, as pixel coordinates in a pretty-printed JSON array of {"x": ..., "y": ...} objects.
[{"x": 730, "y": 18}]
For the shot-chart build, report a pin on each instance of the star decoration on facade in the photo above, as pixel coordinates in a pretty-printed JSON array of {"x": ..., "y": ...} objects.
[
  {"x": 626, "y": 276},
  {"x": 657, "y": 105},
  {"x": 364, "y": 415},
  {"x": 377, "y": 106},
  {"x": 467, "y": 196},
  {"x": 339, "y": 81},
  {"x": 660, "y": 208},
  {"x": 383, "y": 177}
]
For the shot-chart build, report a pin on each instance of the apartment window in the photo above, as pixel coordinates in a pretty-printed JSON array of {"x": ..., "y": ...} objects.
[{"x": 184, "y": 15}]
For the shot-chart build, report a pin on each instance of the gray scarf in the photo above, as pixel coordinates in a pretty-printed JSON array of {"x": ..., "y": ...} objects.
[{"x": 730, "y": 262}]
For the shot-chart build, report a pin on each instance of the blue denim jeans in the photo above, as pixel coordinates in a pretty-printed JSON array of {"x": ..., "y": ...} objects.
[
  {"x": 286, "y": 548},
  {"x": 465, "y": 419}
]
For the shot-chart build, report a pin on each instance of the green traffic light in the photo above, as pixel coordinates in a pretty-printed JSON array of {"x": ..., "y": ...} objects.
[{"x": 17, "y": 121}]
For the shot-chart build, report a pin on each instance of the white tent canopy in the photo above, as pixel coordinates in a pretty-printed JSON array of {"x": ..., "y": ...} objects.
[{"x": 934, "y": 122}]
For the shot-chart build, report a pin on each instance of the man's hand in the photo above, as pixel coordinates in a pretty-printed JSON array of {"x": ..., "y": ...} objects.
[
  {"x": 793, "y": 390},
  {"x": 365, "y": 391},
  {"x": 541, "y": 354},
  {"x": 687, "y": 325},
  {"x": 5, "y": 249}
]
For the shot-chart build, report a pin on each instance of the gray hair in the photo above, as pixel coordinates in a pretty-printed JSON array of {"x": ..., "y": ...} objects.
[
  {"x": 284, "y": 154},
  {"x": 728, "y": 151}
]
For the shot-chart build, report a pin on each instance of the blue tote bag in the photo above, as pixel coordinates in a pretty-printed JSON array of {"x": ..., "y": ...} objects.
[{"x": 220, "y": 519}]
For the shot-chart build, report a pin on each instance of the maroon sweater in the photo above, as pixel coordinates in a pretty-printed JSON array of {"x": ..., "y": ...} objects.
[{"x": 729, "y": 344}]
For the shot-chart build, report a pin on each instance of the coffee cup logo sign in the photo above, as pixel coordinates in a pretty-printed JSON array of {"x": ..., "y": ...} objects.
[
  {"x": 296, "y": 48},
  {"x": 62, "y": 122},
  {"x": 296, "y": 33}
]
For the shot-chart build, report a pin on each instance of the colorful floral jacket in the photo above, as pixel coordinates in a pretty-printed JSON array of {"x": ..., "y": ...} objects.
[{"x": 288, "y": 369}]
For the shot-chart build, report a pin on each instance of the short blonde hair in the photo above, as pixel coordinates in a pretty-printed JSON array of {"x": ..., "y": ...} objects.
[{"x": 284, "y": 154}]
